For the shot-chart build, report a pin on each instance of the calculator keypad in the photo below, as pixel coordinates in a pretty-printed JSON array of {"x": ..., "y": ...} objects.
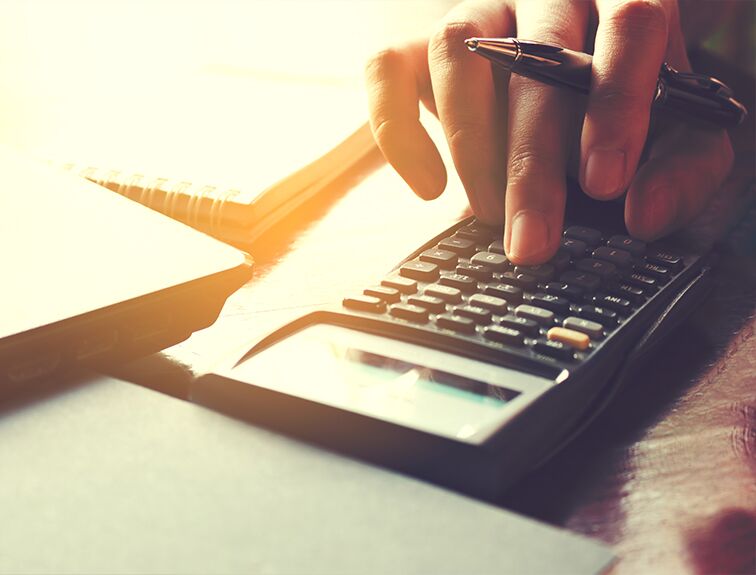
[{"x": 465, "y": 287}]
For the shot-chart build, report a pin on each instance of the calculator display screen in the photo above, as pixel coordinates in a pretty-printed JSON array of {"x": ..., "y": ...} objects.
[{"x": 383, "y": 378}]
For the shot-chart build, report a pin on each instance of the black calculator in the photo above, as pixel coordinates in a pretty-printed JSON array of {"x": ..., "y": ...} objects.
[{"x": 460, "y": 367}]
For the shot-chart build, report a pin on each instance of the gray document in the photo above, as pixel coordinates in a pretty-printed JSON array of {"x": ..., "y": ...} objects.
[{"x": 108, "y": 477}]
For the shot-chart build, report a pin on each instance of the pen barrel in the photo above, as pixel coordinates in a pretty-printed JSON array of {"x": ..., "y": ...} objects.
[
  {"x": 558, "y": 67},
  {"x": 721, "y": 112}
]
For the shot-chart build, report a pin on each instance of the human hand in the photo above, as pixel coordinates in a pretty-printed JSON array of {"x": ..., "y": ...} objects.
[{"x": 521, "y": 136}]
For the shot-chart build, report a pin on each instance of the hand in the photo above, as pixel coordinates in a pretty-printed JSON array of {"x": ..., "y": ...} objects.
[{"x": 516, "y": 135}]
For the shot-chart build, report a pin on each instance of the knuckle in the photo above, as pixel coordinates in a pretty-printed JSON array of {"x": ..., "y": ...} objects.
[
  {"x": 383, "y": 63},
  {"x": 465, "y": 133},
  {"x": 641, "y": 15},
  {"x": 524, "y": 161},
  {"x": 451, "y": 36}
]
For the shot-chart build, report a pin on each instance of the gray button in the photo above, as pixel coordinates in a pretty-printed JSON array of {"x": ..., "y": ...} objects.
[
  {"x": 489, "y": 302},
  {"x": 592, "y": 329},
  {"x": 542, "y": 316},
  {"x": 496, "y": 262}
]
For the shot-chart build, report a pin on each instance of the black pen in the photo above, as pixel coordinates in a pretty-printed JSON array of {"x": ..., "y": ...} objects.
[{"x": 696, "y": 96}]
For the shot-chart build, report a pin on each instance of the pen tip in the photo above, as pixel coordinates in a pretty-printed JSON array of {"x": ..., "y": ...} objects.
[{"x": 472, "y": 44}]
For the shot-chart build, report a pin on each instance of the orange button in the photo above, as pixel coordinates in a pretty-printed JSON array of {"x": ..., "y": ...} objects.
[{"x": 570, "y": 337}]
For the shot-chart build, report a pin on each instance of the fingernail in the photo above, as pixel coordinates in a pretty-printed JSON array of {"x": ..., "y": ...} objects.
[
  {"x": 604, "y": 173},
  {"x": 530, "y": 235}
]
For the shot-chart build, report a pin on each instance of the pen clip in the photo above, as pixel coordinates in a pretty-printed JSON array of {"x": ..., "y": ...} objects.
[{"x": 705, "y": 85}]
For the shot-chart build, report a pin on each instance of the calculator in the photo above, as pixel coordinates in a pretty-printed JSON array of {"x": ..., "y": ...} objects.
[{"x": 460, "y": 367}]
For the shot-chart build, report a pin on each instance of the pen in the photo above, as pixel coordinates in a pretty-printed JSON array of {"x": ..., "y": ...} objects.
[{"x": 695, "y": 96}]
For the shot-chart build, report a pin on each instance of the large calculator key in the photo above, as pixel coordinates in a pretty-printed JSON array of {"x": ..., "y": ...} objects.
[
  {"x": 404, "y": 285},
  {"x": 634, "y": 294},
  {"x": 512, "y": 294},
  {"x": 421, "y": 271},
  {"x": 387, "y": 294},
  {"x": 551, "y": 302},
  {"x": 432, "y": 304},
  {"x": 477, "y": 314},
  {"x": 460, "y": 246},
  {"x": 542, "y": 272},
  {"x": 635, "y": 247},
  {"x": 585, "y": 281},
  {"x": 575, "y": 248},
  {"x": 603, "y": 270},
  {"x": 592, "y": 329},
  {"x": 661, "y": 273},
  {"x": 620, "y": 258},
  {"x": 520, "y": 280},
  {"x": 479, "y": 272},
  {"x": 459, "y": 281},
  {"x": 576, "y": 339},
  {"x": 456, "y": 323},
  {"x": 665, "y": 259},
  {"x": 496, "y": 262},
  {"x": 618, "y": 304},
  {"x": 602, "y": 315},
  {"x": 538, "y": 314},
  {"x": 561, "y": 260},
  {"x": 523, "y": 324},
  {"x": 475, "y": 232},
  {"x": 648, "y": 284},
  {"x": 495, "y": 304},
  {"x": 409, "y": 312},
  {"x": 565, "y": 290},
  {"x": 496, "y": 246},
  {"x": 442, "y": 258},
  {"x": 555, "y": 349},
  {"x": 365, "y": 303},
  {"x": 504, "y": 335},
  {"x": 588, "y": 235},
  {"x": 446, "y": 293}
]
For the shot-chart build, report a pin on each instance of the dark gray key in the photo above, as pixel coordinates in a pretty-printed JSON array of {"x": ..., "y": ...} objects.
[
  {"x": 496, "y": 246},
  {"x": 619, "y": 258},
  {"x": 477, "y": 314},
  {"x": 460, "y": 246},
  {"x": 480, "y": 273},
  {"x": 365, "y": 303},
  {"x": 575, "y": 248},
  {"x": 592, "y": 329},
  {"x": 495, "y": 304},
  {"x": 538, "y": 314},
  {"x": 496, "y": 262},
  {"x": 661, "y": 273},
  {"x": 565, "y": 290},
  {"x": 404, "y": 285},
  {"x": 409, "y": 312},
  {"x": 634, "y": 294},
  {"x": 432, "y": 304},
  {"x": 446, "y": 293},
  {"x": 604, "y": 270},
  {"x": 665, "y": 258},
  {"x": 618, "y": 304},
  {"x": 523, "y": 281},
  {"x": 459, "y": 281},
  {"x": 551, "y": 302},
  {"x": 476, "y": 232},
  {"x": 421, "y": 271},
  {"x": 541, "y": 273},
  {"x": 561, "y": 260},
  {"x": 586, "y": 282},
  {"x": 512, "y": 294},
  {"x": 523, "y": 324},
  {"x": 602, "y": 315},
  {"x": 387, "y": 294},
  {"x": 555, "y": 349},
  {"x": 588, "y": 235},
  {"x": 456, "y": 323},
  {"x": 504, "y": 335},
  {"x": 442, "y": 258},
  {"x": 635, "y": 247},
  {"x": 646, "y": 283}
]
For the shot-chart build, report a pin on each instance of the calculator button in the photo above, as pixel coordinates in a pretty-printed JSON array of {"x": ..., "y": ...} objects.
[
  {"x": 588, "y": 235},
  {"x": 576, "y": 339},
  {"x": 555, "y": 349},
  {"x": 479, "y": 272},
  {"x": 592, "y": 329},
  {"x": 634, "y": 294},
  {"x": 495, "y": 304},
  {"x": 456, "y": 323},
  {"x": 409, "y": 312},
  {"x": 475, "y": 232},
  {"x": 496, "y": 262},
  {"x": 442, "y": 258},
  {"x": 561, "y": 260},
  {"x": 660, "y": 273},
  {"x": 387, "y": 294},
  {"x": 540, "y": 315},
  {"x": 432, "y": 304},
  {"x": 601, "y": 315},
  {"x": 446, "y": 293},
  {"x": 551, "y": 302},
  {"x": 586, "y": 282},
  {"x": 520, "y": 280},
  {"x": 365, "y": 303},
  {"x": 665, "y": 258},
  {"x": 603, "y": 270},
  {"x": 575, "y": 248},
  {"x": 565, "y": 290},
  {"x": 635, "y": 247},
  {"x": 542, "y": 273},
  {"x": 477, "y": 314},
  {"x": 421, "y": 271},
  {"x": 459, "y": 281},
  {"x": 646, "y": 283},
  {"x": 404, "y": 285},
  {"x": 619, "y": 258},
  {"x": 504, "y": 335},
  {"x": 512, "y": 294},
  {"x": 496, "y": 246},
  {"x": 614, "y": 302},
  {"x": 523, "y": 324},
  {"x": 459, "y": 246}
]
